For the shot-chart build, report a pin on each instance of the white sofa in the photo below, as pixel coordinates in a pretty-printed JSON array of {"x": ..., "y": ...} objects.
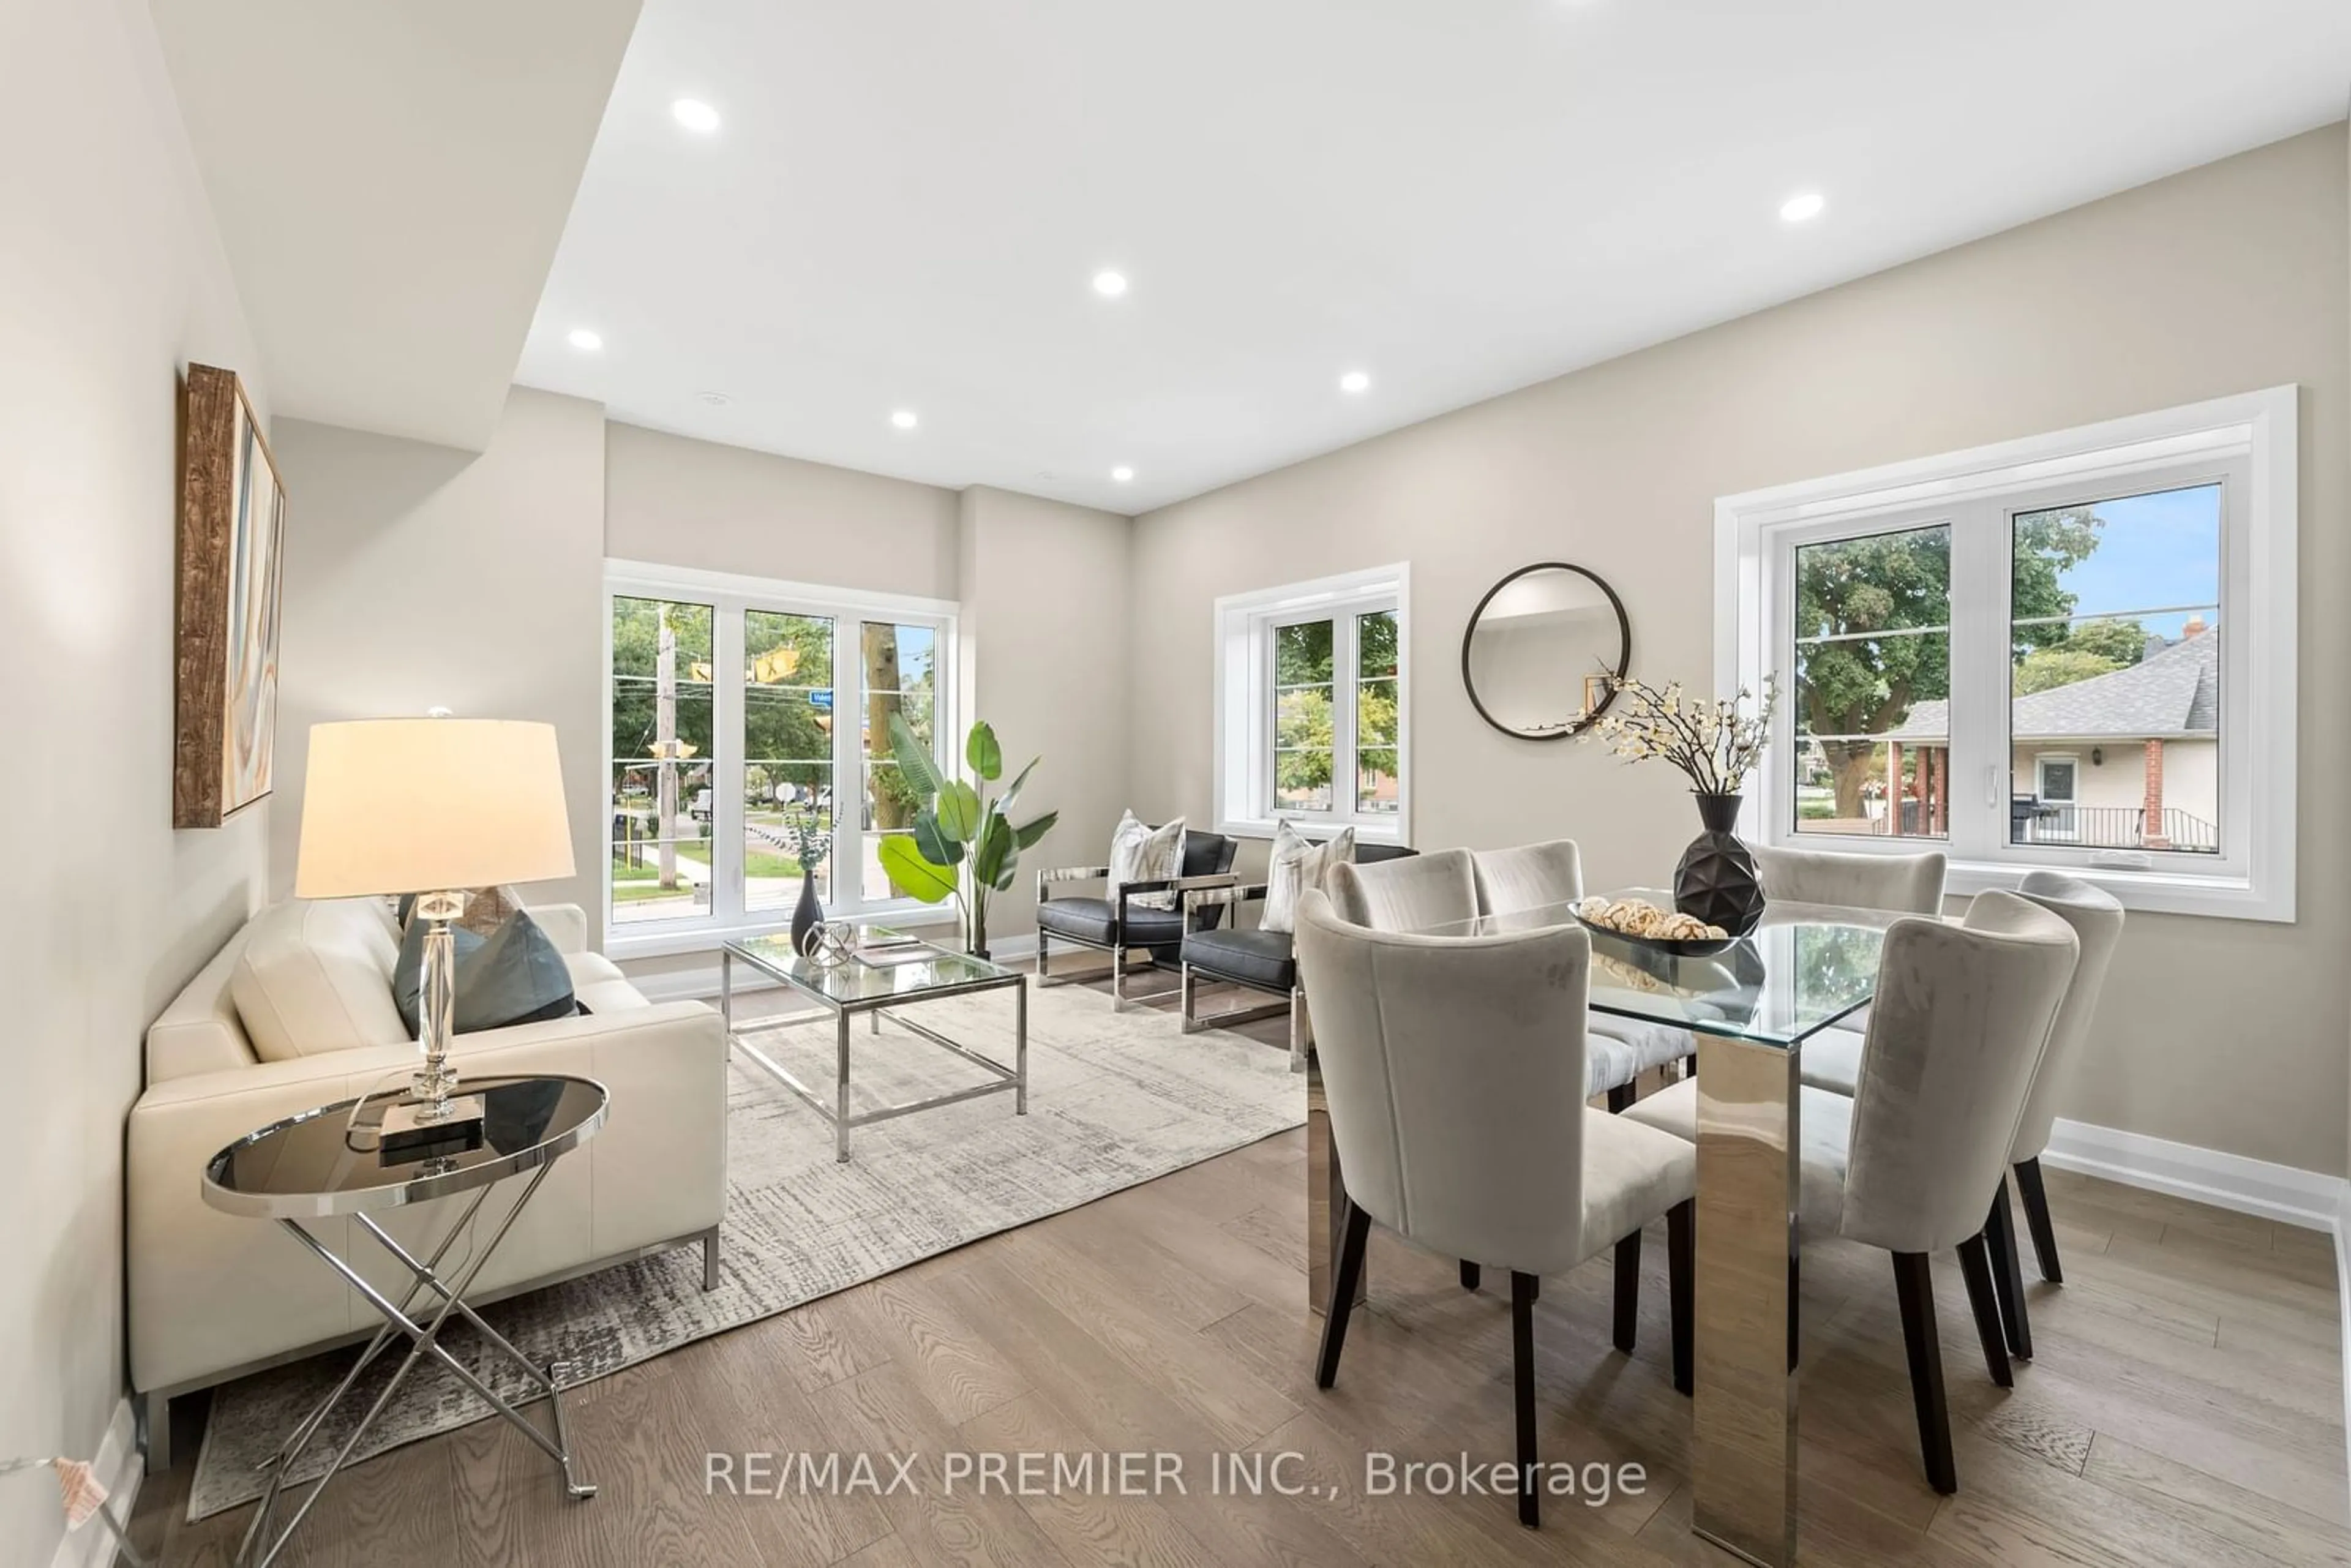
[{"x": 296, "y": 1012}]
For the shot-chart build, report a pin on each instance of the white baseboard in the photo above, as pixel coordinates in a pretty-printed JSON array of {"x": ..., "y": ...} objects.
[
  {"x": 700, "y": 983},
  {"x": 2281, "y": 1193},
  {"x": 120, "y": 1472}
]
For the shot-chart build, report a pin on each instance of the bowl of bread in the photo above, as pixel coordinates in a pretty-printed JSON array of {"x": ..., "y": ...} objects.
[{"x": 1644, "y": 925}]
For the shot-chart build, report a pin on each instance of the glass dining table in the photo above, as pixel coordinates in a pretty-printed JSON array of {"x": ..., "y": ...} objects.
[{"x": 1751, "y": 1005}]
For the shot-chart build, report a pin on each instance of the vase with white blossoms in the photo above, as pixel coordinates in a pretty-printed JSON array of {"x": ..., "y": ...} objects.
[{"x": 1715, "y": 743}]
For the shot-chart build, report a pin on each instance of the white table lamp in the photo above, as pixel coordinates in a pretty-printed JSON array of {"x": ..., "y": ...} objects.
[{"x": 434, "y": 807}]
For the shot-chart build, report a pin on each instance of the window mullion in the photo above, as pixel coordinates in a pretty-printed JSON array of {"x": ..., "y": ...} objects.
[
  {"x": 1978, "y": 621},
  {"x": 1345, "y": 664},
  {"x": 1266, "y": 729},
  {"x": 728, "y": 896},
  {"x": 848, "y": 765}
]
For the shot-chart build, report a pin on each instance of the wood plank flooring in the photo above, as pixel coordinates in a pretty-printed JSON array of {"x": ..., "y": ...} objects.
[{"x": 2185, "y": 1407}]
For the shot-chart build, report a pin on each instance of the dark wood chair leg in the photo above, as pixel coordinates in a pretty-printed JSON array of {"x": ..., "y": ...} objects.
[
  {"x": 1975, "y": 1266},
  {"x": 2008, "y": 1275},
  {"x": 1523, "y": 1379},
  {"x": 1681, "y": 1276},
  {"x": 1349, "y": 1267},
  {"x": 1628, "y": 1291},
  {"x": 2036, "y": 1218},
  {"x": 1469, "y": 1275},
  {"x": 1914, "y": 1286},
  {"x": 1619, "y": 1097}
]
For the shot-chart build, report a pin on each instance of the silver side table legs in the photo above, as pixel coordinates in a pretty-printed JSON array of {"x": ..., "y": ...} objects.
[
  {"x": 339, "y": 1161},
  {"x": 444, "y": 1298}
]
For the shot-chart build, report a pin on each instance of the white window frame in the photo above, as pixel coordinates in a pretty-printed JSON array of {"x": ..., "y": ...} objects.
[
  {"x": 1244, "y": 625},
  {"x": 2249, "y": 441},
  {"x": 729, "y": 595}
]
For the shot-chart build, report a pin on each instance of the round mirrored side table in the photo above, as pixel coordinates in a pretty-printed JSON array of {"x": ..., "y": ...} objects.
[{"x": 339, "y": 1160}]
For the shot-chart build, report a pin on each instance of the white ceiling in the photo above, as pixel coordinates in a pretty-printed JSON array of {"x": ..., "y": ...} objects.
[
  {"x": 391, "y": 178},
  {"x": 908, "y": 198}
]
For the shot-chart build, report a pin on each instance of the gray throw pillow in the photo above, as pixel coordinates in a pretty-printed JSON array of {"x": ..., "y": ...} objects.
[
  {"x": 1298, "y": 863},
  {"x": 514, "y": 975}
]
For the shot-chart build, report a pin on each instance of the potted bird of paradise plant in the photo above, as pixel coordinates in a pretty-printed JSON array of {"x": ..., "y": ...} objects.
[{"x": 964, "y": 845}]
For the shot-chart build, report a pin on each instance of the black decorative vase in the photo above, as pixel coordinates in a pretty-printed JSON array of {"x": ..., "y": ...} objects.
[
  {"x": 1715, "y": 880},
  {"x": 807, "y": 915}
]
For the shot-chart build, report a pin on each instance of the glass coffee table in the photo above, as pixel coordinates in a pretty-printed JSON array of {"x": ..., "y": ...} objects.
[{"x": 889, "y": 980}]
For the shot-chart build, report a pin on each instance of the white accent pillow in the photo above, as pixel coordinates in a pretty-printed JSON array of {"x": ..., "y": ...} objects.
[
  {"x": 1139, "y": 852},
  {"x": 1298, "y": 863},
  {"x": 315, "y": 977}
]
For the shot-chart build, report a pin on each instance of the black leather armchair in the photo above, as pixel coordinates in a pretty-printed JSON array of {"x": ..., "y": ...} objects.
[
  {"x": 1122, "y": 925},
  {"x": 1253, "y": 959}
]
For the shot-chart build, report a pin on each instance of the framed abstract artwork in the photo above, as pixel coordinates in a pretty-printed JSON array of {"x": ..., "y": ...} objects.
[{"x": 231, "y": 566}]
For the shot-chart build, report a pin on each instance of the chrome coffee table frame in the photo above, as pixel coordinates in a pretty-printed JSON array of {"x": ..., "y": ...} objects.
[
  {"x": 259, "y": 1548},
  {"x": 810, "y": 979}
]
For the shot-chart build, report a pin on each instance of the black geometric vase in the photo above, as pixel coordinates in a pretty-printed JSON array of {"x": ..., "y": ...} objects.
[
  {"x": 1715, "y": 880},
  {"x": 807, "y": 915}
]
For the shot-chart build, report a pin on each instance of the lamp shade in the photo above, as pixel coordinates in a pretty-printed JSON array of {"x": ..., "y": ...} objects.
[{"x": 430, "y": 805}]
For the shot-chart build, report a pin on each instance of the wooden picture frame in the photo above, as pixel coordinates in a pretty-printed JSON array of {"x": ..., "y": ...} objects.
[{"x": 231, "y": 538}]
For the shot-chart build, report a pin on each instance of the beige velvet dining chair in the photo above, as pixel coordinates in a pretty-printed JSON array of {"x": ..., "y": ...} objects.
[
  {"x": 1437, "y": 887},
  {"x": 1902, "y": 885},
  {"x": 1911, "y": 1161},
  {"x": 2096, "y": 917},
  {"x": 1545, "y": 875},
  {"x": 1453, "y": 1069}
]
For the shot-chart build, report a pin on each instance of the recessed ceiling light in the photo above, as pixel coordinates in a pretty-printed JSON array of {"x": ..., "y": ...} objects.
[
  {"x": 903, "y": 419},
  {"x": 586, "y": 341},
  {"x": 716, "y": 399},
  {"x": 1805, "y": 204},
  {"x": 695, "y": 115},
  {"x": 1110, "y": 285},
  {"x": 1355, "y": 381},
  {"x": 1122, "y": 474}
]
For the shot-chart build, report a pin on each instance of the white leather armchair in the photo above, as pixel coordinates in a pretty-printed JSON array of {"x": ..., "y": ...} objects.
[{"x": 213, "y": 1296}]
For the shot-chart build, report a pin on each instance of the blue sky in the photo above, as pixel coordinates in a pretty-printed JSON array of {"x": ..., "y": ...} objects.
[{"x": 2154, "y": 550}]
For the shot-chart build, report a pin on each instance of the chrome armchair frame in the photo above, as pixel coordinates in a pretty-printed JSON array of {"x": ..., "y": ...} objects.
[
  {"x": 1302, "y": 1032},
  {"x": 1181, "y": 887}
]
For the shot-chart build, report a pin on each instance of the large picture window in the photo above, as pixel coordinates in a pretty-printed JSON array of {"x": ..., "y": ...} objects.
[
  {"x": 1310, "y": 696},
  {"x": 2075, "y": 651},
  {"x": 738, "y": 708}
]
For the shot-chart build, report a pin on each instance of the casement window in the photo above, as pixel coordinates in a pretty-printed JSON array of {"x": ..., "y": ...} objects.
[
  {"x": 1312, "y": 700},
  {"x": 741, "y": 711},
  {"x": 2075, "y": 651}
]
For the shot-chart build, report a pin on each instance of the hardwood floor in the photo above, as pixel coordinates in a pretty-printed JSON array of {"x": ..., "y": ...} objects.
[{"x": 2185, "y": 1408}]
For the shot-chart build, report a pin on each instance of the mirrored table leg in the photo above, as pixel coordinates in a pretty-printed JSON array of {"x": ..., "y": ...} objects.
[{"x": 1744, "y": 1461}]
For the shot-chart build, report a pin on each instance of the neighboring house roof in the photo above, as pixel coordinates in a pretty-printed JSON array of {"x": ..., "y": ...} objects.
[{"x": 2175, "y": 691}]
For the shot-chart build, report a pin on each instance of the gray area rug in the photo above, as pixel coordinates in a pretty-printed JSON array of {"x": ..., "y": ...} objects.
[{"x": 1114, "y": 1099}]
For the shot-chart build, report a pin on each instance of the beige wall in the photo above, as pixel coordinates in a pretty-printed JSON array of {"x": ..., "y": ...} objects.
[
  {"x": 1044, "y": 619},
  {"x": 2223, "y": 279},
  {"x": 112, "y": 279},
  {"x": 427, "y": 577},
  {"x": 424, "y": 577},
  {"x": 680, "y": 502}
]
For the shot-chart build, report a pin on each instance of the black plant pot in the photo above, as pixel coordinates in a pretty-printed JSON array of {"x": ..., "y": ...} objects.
[
  {"x": 1715, "y": 880},
  {"x": 807, "y": 915}
]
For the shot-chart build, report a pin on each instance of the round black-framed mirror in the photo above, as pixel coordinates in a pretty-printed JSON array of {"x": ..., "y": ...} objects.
[{"x": 1542, "y": 649}]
